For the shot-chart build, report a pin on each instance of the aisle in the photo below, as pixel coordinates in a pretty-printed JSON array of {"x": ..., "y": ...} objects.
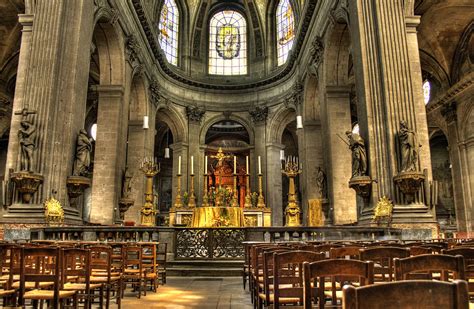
[{"x": 194, "y": 292}]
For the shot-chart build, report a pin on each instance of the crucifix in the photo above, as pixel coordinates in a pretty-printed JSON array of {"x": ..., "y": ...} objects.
[
  {"x": 220, "y": 156},
  {"x": 25, "y": 112}
]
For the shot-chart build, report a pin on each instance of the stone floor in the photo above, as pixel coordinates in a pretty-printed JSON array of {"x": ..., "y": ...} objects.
[{"x": 194, "y": 292}]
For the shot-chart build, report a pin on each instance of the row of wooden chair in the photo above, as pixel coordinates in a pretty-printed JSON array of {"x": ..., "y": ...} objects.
[{"x": 277, "y": 275}]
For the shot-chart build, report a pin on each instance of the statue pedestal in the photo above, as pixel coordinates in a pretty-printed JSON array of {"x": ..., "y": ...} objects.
[
  {"x": 181, "y": 216},
  {"x": 409, "y": 183},
  {"x": 362, "y": 186},
  {"x": 257, "y": 217},
  {"x": 124, "y": 204},
  {"x": 76, "y": 185},
  {"x": 27, "y": 183}
]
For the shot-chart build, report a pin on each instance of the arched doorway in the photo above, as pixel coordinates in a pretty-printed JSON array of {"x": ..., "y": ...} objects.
[
  {"x": 289, "y": 141},
  {"x": 228, "y": 151}
]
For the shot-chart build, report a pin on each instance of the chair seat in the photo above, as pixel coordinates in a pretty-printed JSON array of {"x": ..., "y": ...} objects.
[
  {"x": 31, "y": 285},
  {"x": 6, "y": 277},
  {"x": 329, "y": 294},
  {"x": 95, "y": 279},
  {"x": 151, "y": 275},
  {"x": 80, "y": 286},
  {"x": 283, "y": 300},
  {"x": 47, "y": 294},
  {"x": 131, "y": 271},
  {"x": 104, "y": 273},
  {"x": 6, "y": 292}
]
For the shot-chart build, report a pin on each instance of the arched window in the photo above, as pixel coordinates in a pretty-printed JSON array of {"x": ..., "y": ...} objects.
[
  {"x": 168, "y": 31},
  {"x": 285, "y": 22},
  {"x": 228, "y": 44},
  {"x": 427, "y": 91}
]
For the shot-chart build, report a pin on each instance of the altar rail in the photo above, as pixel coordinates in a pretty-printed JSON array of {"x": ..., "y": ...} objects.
[{"x": 214, "y": 243}]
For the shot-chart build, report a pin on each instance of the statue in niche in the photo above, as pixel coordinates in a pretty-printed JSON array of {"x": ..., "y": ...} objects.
[
  {"x": 321, "y": 182},
  {"x": 26, "y": 135},
  {"x": 82, "y": 160},
  {"x": 359, "y": 155},
  {"x": 409, "y": 148},
  {"x": 127, "y": 183}
]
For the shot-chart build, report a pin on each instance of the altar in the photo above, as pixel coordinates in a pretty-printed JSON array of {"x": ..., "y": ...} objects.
[{"x": 218, "y": 217}]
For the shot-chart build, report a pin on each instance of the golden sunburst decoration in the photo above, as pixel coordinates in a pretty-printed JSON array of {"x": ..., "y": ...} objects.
[
  {"x": 53, "y": 212},
  {"x": 383, "y": 210}
]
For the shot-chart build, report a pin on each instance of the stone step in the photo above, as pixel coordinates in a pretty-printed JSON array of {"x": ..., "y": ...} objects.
[{"x": 204, "y": 268}]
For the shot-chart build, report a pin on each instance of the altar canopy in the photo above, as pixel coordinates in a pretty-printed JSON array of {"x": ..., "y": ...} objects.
[{"x": 218, "y": 217}]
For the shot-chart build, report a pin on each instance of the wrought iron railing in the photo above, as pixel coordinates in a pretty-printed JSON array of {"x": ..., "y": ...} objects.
[{"x": 200, "y": 243}]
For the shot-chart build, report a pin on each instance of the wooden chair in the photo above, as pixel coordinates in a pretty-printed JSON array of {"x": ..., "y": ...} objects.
[
  {"x": 149, "y": 265},
  {"x": 410, "y": 294},
  {"x": 342, "y": 270},
  {"x": 351, "y": 252},
  {"x": 288, "y": 276},
  {"x": 417, "y": 250},
  {"x": 101, "y": 269},
  {"x": 256, "y": 272},
  {"x": 43, "y": 265},
  {"x": 423, "y": 267},
  {"x": 76, "y": 274},
  {"x": 161, "y": 259},
  {"x": 133, "y": 268},
  {"x": 383, "y": 260},
  {"x": 468, "y": 255},
  {"x": 7, "y": 292}
]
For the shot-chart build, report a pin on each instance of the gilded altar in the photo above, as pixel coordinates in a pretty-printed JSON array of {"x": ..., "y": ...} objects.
[{"x": 218, "y": 217}]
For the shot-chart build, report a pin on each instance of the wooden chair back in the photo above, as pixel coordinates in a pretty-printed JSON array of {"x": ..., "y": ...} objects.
[
  {"x": 351, "y": 252},
  {"x": 468, "y": 254},
  {"x": 423, "y": 266},
  {"x": 266, "y": 269},
  {"x": 38, "y": 264},
  {"x": 417, "y": 250},
  {"x": 101, "y": 261},
  {"x": 161, "y": 259},
  {"x": 411, "y": 294},
  {"x": 335, "y": 270},
  {"x": 383, "y": 257},
  {"x": 288, "y": 274}
]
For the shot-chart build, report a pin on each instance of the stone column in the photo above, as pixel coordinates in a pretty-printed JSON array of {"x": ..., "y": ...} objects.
[
  {"x": 311, "y": 155},
  {"x": 260, "y": 138},
  {"x": 106, "y": 183},
  {"x": 53, "y": 65},
  {"x": 455, "y": 155},
  {"x": 341, "y": 197},
  {"x": 467, "y": 162},
  {"x": 386, "y": 63},
  {"x": 195, "y": 115},
  {"x": 273, "y": 198}
]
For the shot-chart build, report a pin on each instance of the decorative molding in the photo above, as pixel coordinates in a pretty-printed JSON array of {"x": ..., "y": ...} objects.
[
  {"x": 154, "y": 92},
  {"x": 104, "y": 10},
  {"x": 451, "y": 93},
  {"x": 317, "y": 52},
  {"x": 132, "y": 49},
  {"x": 178, "y": 76},
  {"x": 194, "y": 113},
  {"x": 259, "y": 113},
  {"x": 296, "y": 96},
  {"x": 449, "y": 112}
]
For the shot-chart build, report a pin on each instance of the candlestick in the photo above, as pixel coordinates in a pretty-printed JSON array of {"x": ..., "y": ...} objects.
[
  {"x": 177, "y": 201},
  {"x": 247, "y": 165},
  {"x": 147, "y": 213},
  {"x": 179, "y": 165},
  {"x": 261, "y": 199},
  {"x": 205, "y": 198},
  {"x": 192, "y": 197},
  {"x": 259, "y": 165},
  {"x": 292, "y": 211},
  {"x": 205, "y": 165},
  {"x": 192, "y": 165},
  {"x": 248, "y": 198},
  {"x": 235, "y": 165},
  {"x": 235, "y": 201}
]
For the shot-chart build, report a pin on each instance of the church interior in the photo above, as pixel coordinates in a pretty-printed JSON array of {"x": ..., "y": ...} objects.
[{"x": 237, "y": 153}]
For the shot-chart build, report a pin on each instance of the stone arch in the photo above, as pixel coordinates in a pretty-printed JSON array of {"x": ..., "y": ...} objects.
[
  {"x": 467, "y": 123},
  {"x": 174, "y": 121},
  {"x": 138, "y": 98},
  {"x": 244, "y": 122},
  {"x": 337, "y": 55},
  {"x": 279, "y": 122},
  {"x": 311, "y": 103}
]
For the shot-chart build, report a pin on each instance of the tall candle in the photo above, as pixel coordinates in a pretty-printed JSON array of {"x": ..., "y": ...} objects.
[
  {"x": 259, "y": 165},
  {"x": 247, "y": 164},
  {"x": 179, "y": 165},
  {"x": 192, "y": 165},
  {"x": 205, "y": 164}
]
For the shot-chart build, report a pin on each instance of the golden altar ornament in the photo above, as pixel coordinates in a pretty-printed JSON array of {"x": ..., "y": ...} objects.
[
  {"x": 218, "y": 217},
  {"x": 292, "y": 212},
  {"x": 53, "y": 212},
  {"x": 150, "y": 168}
]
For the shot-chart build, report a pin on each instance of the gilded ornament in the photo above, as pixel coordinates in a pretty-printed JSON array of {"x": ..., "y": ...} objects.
[
  {"x": 53, "y": 212},
  {"x": 383, "y": 211}
]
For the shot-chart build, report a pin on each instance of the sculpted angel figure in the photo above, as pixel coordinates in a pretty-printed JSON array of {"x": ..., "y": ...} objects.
[
  {"x": 359, "y": 155},
  {"x": 26, "y": 135},
  {"x": 409, "y": 148},
  {"x": 82, "y": 160}
]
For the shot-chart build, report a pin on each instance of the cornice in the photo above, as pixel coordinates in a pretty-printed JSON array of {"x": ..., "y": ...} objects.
[
  {"x": 180, "y": 77},
  {"x": 452, "y": 93}
]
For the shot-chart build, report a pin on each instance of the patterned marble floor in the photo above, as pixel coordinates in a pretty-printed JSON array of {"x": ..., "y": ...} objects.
[{"x": 194, "y": 292}]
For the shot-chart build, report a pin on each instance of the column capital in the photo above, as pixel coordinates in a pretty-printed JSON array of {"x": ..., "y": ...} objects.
[
  {"x": 449, "y": 112},
  {"x": 276, "y": 146},
  {"x": 338, "y": 91},
  {"x": 109, "y": 90},
  {"x": 412, "y": 22},
  {"x": 26, "y": 20},
  {"x": 179, "y": 146}
]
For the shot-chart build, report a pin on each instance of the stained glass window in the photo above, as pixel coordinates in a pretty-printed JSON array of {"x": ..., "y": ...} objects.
[
  {"x": 228, "y": 44},
  {"x": 168, "y": 31},
  {"x": 285, "y": 21},
  {"x": 427, "y": 91}
]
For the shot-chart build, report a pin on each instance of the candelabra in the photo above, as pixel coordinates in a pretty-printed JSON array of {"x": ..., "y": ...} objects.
[
  {"x": 205, "y": 197},
  {"x": 192, "y": 197},
  {"x": 177, "y": 202},
  {"x": 235, "y": 200},
  {"x": 261, "y": 199},
  {"x": 150, "y": 168},
  {"x": 248, "y": 198},
  {"x": 292, "y": 211}
]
